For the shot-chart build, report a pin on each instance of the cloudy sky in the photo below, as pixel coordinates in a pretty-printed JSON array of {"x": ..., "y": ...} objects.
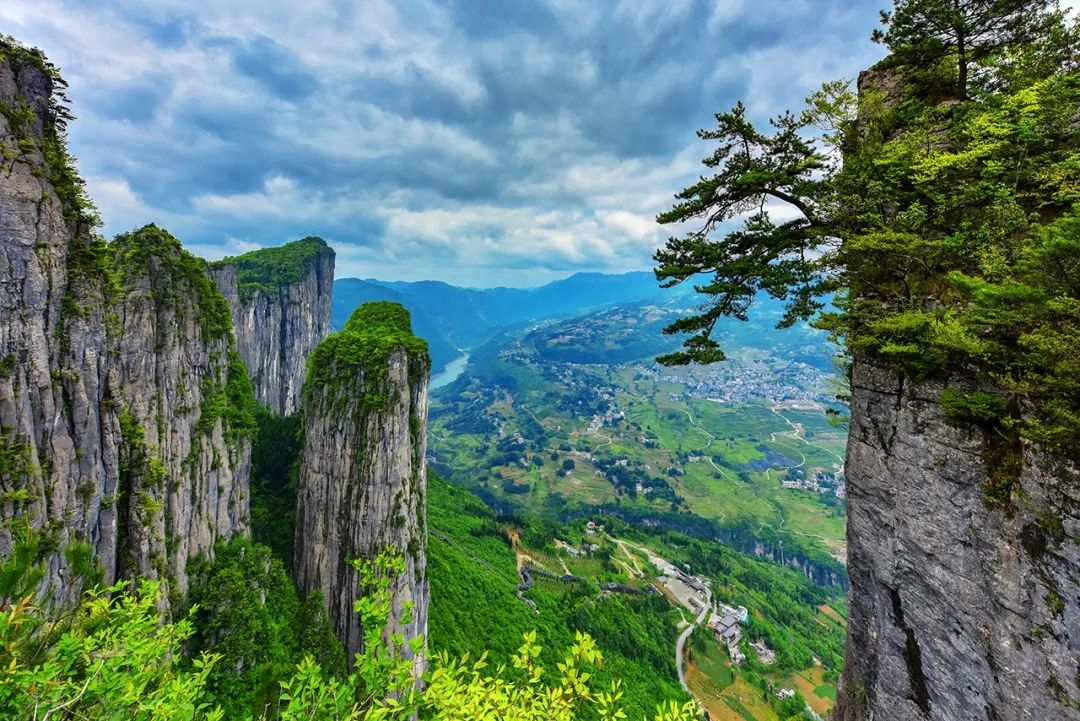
[{"x": 481, "y": 142}]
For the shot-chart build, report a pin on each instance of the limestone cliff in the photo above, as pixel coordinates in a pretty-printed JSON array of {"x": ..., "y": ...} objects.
[
  {"x": 186, "y": 409},
  {"x": 963, "y": 539},
  {"x": 280, "y": 303},
  {"x": 58, "y": 439},
  {"x": 959, "y": 608},
  {"x": 362, "y": 482},
  {"x": 124, "y": 409}
]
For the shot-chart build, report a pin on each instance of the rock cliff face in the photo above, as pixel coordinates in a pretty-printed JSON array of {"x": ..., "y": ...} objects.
[
  {"x": 362, "y": 484},
  {"x": 280, "y": 303},
  {"x": 960, "y": 609},
  {"x": 186, "y": 409},
  {"x": 58, "y": 444},
  {"x": 124, "y": 409}
]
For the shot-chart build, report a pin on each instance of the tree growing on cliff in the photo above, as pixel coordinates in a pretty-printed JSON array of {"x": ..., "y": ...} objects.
[
  {"x": 920, "y": 33},
  {"x": 933, "y": 234},
  {"x": 782, "y": 183}
]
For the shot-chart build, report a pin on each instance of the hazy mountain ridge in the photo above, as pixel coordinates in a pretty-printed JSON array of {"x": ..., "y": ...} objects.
[{"x": 451, "y": 318}]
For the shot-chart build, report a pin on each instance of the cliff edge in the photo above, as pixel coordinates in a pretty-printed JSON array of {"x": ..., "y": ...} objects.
[
  {"x": 959, "y": 608},
  {"x": 125, "y": 413},
  {"x": 280, "y": 299}
]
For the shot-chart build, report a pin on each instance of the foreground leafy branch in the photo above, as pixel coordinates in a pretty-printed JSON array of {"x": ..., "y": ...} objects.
[{"x": 114, "y": 658}]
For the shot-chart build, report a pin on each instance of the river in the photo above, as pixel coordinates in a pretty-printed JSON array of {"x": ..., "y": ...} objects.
[{"x": 450, "y": 373}]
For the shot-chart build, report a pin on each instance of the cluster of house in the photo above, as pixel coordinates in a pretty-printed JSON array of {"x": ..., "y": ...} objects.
[
  {"x": 739, "y": 381},
  {"x": 592, "y": 528},
  {"x": 611, "y": 415},
  {"x": 820, "y": 482},
  {"x": 586, "y": 549},
  {"x": 725, "y": 628}
]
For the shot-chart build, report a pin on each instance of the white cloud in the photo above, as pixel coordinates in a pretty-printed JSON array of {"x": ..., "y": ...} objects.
[{"x": 414, "y": 135}]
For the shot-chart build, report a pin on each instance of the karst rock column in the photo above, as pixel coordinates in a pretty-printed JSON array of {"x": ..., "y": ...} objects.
[{"x": 362, "y": 483}]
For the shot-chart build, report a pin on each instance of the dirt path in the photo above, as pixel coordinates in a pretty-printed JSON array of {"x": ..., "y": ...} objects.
[
  {"x": 712, "y": 438},
  {"x": 795, "y": 433},
  {"x": 602, "y": 445}
]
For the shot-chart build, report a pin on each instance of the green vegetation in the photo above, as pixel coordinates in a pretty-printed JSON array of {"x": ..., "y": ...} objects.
[
  {"x": 955, "y": 207},
  {"x": 112, "y": 657},
  {"x": 16, "y": 465},
  {"x": 275, "y": 459},
  {"x": 926, "y": 33},
  {"x": 232, "y": 401},
  {"x": 142, "y": 477},
  {"x": 267, "y": 269},
  {"x": 59, "y": 167},
  {"x": 475, "y": 609},
  {"x": 248, "y": 614},
  {"x": 152, "y": 254},
  {"x": 358, "y": 356},
  {"x": 785, "y": 603},
  {"x": 472, "y": 567}
]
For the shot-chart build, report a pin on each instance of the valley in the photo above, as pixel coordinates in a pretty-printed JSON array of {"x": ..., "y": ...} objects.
[
  {"x": 609, "y": 483},
  {"x": 743, "y": 451}
]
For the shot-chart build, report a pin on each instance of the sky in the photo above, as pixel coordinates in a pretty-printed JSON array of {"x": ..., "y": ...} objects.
[{"x": 480, "y": 143}]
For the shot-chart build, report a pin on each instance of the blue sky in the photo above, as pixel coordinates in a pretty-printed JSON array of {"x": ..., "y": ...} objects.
[{"x": 481, "y": 143}]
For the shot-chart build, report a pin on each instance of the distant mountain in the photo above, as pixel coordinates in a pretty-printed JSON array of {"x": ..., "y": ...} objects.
[
  {"x": 628, "y": 332},
  {"x": 453, "y": 318}
]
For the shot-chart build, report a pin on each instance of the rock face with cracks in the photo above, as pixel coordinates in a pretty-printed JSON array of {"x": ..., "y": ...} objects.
[
  {"x": 362, "y": 483},
  {"x": 960, "y": 608},
  {"x": 125, "y": 413},
  {"x": 280, "y": 303}
]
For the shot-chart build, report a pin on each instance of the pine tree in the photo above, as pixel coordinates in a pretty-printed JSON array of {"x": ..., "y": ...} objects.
[{"x": 919, "y": 33}]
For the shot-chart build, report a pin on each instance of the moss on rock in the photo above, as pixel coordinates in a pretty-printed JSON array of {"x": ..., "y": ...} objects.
[
  {"x": 266, "y": 269},
  {"x": 362, "y": 350}
]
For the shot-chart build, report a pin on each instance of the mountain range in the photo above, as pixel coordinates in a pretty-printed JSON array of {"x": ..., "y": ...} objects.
[{"x": 453, "y": 319}]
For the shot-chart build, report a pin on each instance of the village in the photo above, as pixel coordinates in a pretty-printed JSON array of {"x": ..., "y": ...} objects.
[
  {"x": 725, "y": 622},
  {"x": 742, "y": 381}
]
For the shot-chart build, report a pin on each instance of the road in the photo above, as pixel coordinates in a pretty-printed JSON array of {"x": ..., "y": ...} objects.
[
  {"x": 712, "y": 438},
  {"x": 666, "y": 568},
  {"x": 680, "y": 661}
]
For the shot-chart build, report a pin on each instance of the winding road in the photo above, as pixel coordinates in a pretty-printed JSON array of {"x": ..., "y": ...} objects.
[
  {"x": 795, "y": 433},
  {"x": 712, "y": 438},
  {"x": 680, "y": 645}
]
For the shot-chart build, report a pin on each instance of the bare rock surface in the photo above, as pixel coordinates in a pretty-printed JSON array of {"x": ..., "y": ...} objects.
[
  {"x": 279, "y": 313},
  {"x": 960, "y": 609}
]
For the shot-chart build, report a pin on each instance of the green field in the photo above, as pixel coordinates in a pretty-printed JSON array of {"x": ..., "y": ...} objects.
[{"x": 510, "y": 431}]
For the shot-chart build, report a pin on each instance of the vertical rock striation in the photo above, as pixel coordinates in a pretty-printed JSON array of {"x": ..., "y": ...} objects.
[
  {"x": 58, "y": 439},
  {"x": 187, "y": 409},
  {"x": 362, "y": 482},
  {"x": 960, "y": 609},
  {"x": 124, "y": 410},
  {"x": 280, "y": 303}
]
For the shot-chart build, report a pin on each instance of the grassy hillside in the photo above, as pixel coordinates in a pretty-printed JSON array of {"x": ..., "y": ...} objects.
[
  {"x": 475, "y": 608},
  {"x": 743, "y": 450}
]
